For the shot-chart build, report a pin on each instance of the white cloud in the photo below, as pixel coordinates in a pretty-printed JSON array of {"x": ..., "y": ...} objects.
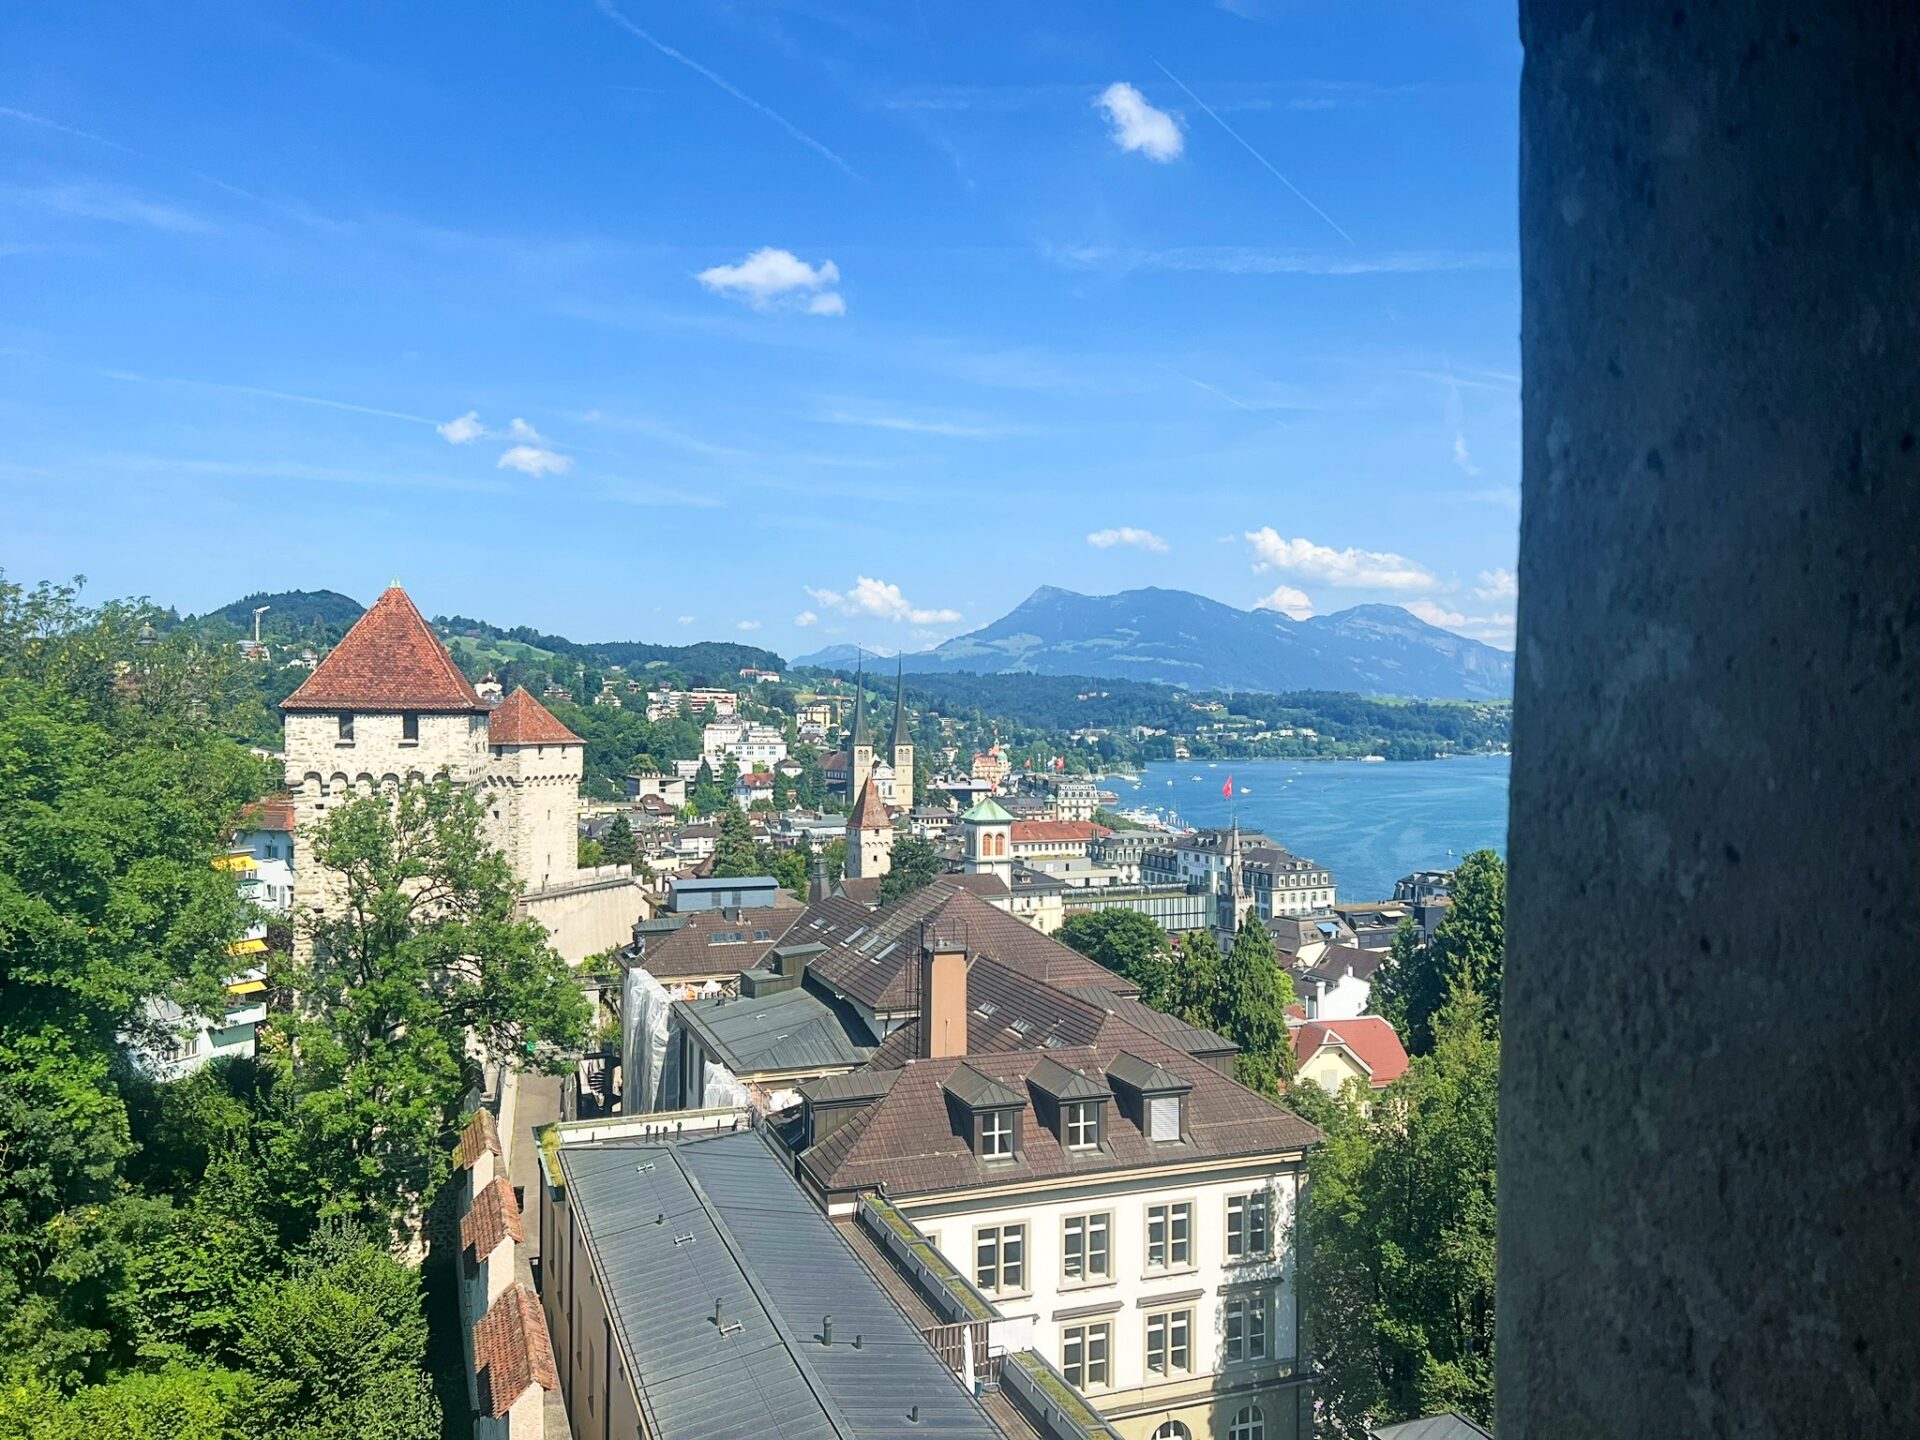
[
  {"x": 769, "y": 279},
  {"x": 1138, "y": 126},
  {"x": 1288, "y": 601},
  {"x": 1493, "y": 629},
  {"x": 747, "y": 625},
  {"x": 1365, "y": 569},
  {"x": 686, "y": 619},
  {"x": 1498, "y": 583},
  {"x": 806, "y": 618},
  {"x": 881, "y": 600},
  {"x": 464, "y": 430},
  {"x": 1460, "y": 455},
  {"x": 519, "y": 429},
  {"x": 911, "y": 425},
  {"x": 531, "y": 460},
  {"x": 1125, "y": 535}
]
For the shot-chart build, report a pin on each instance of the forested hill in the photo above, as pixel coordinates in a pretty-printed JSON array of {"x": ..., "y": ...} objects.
[
  {"x": 311, "y": 617},
  {"x": 706, "y": 662}
]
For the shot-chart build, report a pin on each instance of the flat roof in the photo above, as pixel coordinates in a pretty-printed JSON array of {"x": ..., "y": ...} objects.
[{"x": 674, "y": 1226}]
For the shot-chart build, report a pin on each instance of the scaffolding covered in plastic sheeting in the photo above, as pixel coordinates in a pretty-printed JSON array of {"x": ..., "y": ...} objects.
[
  {"x": 644, "y": 1007},
  {"x": 723, "y": 1090}
]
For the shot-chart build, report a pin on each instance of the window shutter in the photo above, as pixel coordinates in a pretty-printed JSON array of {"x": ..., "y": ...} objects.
[{"x": 1163, "y": 1117}]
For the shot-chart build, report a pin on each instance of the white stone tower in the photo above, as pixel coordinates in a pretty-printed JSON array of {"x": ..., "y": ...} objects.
[
  {"x": 987, "y": 844},
  {"x": 869, "y": 836},
  {"x": 533, "y": 790}
]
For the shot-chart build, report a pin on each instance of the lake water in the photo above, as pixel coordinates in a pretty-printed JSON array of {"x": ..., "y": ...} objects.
[{"x": 1369, "y": 824}]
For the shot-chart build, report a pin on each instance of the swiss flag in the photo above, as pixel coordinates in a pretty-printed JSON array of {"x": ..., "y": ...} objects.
[{"x": 1227, "y": 789}]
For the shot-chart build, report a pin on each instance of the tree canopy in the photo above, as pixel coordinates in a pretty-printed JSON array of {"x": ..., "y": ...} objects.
[
  {"x": 1466, "y": 952},
  {"x": 913, "y": 865}
]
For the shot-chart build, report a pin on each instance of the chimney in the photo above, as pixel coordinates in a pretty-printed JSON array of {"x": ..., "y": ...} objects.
[
  {"x": 818, "y": 886},
  {"x": 943, "y": 992}
]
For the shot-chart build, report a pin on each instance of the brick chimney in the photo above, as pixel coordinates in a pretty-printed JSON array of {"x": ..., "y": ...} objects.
[{"x": 943, "y": 992}]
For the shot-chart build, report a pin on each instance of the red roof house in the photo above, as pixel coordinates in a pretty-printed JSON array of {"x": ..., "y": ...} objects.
[{"x": 1367, "y": 1046}]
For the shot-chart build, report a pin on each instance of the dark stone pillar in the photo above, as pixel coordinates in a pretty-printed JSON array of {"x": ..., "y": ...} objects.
[{"x": 1710, "y": 1147}]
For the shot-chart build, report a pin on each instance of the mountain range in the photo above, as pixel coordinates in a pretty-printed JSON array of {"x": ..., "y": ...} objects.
[{"x": 1178, "y": 638}]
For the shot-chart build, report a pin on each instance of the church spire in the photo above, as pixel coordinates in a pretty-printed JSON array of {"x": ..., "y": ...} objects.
[
  {"x": 861, "y": 734},
  {"x": 900, "y": 739}
]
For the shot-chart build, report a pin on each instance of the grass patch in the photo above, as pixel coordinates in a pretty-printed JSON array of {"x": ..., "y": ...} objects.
[{"x": 549, "y": 1137}]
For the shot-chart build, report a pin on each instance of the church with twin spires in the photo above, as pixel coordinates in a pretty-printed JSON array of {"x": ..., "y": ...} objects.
[{"x": 388, "y": 707}]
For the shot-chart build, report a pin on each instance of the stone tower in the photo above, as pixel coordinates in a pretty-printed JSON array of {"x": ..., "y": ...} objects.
[
  {"x": 869, "y": 836},
  {"x": 533, "y": 790},
  {"x": 987, "y": 845},
  {"x": 901, "y": 744},
  {"x": 386, "y": 708}
]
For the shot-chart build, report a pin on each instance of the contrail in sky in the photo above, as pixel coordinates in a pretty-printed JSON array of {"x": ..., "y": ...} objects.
[
  {"x": 1256, "y": 154},
  {"x": 606, "y": 8}
]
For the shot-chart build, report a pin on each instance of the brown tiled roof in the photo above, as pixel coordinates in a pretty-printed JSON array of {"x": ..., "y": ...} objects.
[
  {"x": 493, "y": 1218},
  {"x": 869, "y": 811},
  {"x": 482, "y": 1134},
  {"x": 862, "y": 889},
  {"x": 690, "y": 952},
  {"x": 1008, "y": 1009},
  {"x": 389, "y": 660},
  {"x": 1171, "y": 1028},
  {"x": 522, "y": 720},
  {"x": 1054, "y": 831},
  {"x": 1371, "y": 1039},
  {"x": 512, "y": 1350},
  {"x": 912, "y": 1140},
  {"x": 273, "y": 812},
  {"x": 873, "y": 954}
]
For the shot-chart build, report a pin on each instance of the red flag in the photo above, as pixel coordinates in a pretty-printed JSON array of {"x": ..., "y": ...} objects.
[{"x": 1227, "y": 789}]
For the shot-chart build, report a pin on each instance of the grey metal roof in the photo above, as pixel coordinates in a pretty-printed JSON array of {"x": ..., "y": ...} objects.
[
  {"x": 1061, "y": 1083},
  {"x": 855, "y": 1085},
  {"x": 787, "y": 1030},
  {"x": 1145, "y": 1076},
  {"x": 1445, "y": 1426},
  {"x": 675, "y": 1226},
  {"x": 981, "y": 1092}
]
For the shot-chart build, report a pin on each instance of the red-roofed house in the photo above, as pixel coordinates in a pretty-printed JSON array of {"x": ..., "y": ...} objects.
[
  {"x": 1332, "y": 1052},
  {"x": 1055, "y": 838},
  {"x": 388, "y": 707}
]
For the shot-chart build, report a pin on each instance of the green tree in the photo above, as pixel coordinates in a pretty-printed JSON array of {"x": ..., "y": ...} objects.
[
  {"x": 735, "y": 851},
  {"x": 913, "y": 866},
  {"x": 1129, "y": 944},
  {"x": 618, "y": 845},
  {"x": 1194, "y": 993},
  {"x": 423, "y": 955},
  {"x": 1399, "y": 1219},
  {"x": 1467, "y": 952},
  {"x": 834, "y": 853},
  {"x": 1252, "y": 1000},
  {"x": 336, "y": 1348},
  {"x": 589, "y": 853},
  {"x": 178, "y": 1402}
]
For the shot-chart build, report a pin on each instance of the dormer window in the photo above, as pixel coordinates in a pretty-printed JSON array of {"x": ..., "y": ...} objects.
[
  {"x": 1163, "y": 1118},
  {"x": 996, "y": 1135},
  {"x": 1081, "y": 1124},
  {"x": 1158, "y": 1097}
]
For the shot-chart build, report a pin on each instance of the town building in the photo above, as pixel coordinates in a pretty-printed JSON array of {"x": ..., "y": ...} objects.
[
  {"x": 751, "y": 746},
  {"x": 1337, "y": 984},
  {"x": 389, "y": 708},
  {"x": 670, "y": 788},
  {"x": 1332, "y": 1052},
  {"x": 990, "y": 767},
  {"x": 986, "y": 844},
  {"x": 1054, "y": 839},
  {"x": 1423, "y": 885}
]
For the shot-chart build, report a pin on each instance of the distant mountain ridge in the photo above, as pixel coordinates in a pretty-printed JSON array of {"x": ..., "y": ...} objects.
[{"x": 1175, "y": 637}]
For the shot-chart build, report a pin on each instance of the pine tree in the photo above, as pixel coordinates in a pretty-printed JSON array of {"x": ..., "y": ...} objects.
[
  {"x": 1253, "y": 996},
  {"x": 1196, "y": 980},
  {"x": 618, "y": 844}
]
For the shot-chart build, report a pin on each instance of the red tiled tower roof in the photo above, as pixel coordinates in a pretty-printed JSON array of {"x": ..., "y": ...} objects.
[
  {"x": 869, "y": 811},
  {"x": 389, "y": 660},
  {"x": 522, "y": 720}
]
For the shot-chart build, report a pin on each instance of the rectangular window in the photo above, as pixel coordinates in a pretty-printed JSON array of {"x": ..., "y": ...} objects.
[
  {"x": 410, "y": 729},
  {"x": 1084, "y": 1244},
  {"x": 1084, "y": 1355},
  {"x": 1083, "y": 1125},
  {"x": 346, "y": 728},
  {"x": 1170, "y": 1236},
  {"x": 1000, "y": 1259},
  {"x": 1170, "y": 1343},
  {"x": 1246, "y": 1328},
  {"x": 996, "y": 1135},
  {"x": 1163, "y": 1117},
  {"x": 1248, "y": 1236}
]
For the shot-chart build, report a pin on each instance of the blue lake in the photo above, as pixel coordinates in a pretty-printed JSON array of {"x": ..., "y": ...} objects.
[{"x": 1368, "y": 824}]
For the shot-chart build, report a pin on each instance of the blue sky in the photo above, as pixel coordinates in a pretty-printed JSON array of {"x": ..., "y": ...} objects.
[{"x": 792, "y": 322}]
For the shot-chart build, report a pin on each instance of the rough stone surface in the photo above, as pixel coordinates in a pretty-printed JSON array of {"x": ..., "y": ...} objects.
[{"x": 1710, "y": 1147}]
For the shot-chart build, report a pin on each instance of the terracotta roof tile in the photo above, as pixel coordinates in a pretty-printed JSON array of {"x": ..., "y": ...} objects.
[
  {"x": 691, "y": 952},
  {"x": 512, "y": 1350},
  {"x": 274, "y": 812},
  {"x": 1033, "y": 832},
  {"x": 482, "y": 1134},
  {"x": 869, "y": 811},
  {"x": 389, "y": 660},
  {"x": 1371, "y": 1040},
  {"x": 522, "y": 720},
  {"x": 493, "y": 1218}
]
